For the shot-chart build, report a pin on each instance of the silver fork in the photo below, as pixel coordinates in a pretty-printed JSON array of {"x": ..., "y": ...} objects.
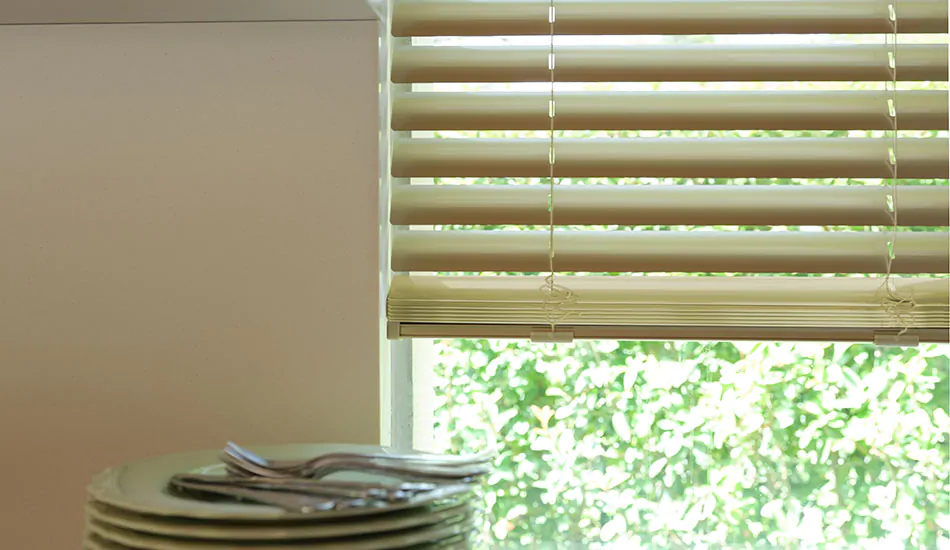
[
  {"x": 302, "y": 502},
  {"x": 238, "y": 467},
  {"x": 290, "y": 502},
  {"x": 241, "y": 462},
  {"x": 316, "y": 462},
  {"x": 329, "y": 489}
]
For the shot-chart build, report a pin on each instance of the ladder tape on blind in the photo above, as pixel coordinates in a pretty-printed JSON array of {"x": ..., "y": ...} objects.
[
  {"x": 556, "y": 298},
  {"x": 900, "y": 309}
]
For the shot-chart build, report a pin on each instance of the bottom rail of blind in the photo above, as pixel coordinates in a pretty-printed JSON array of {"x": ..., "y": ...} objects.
[{"x": 697, "y": 333}]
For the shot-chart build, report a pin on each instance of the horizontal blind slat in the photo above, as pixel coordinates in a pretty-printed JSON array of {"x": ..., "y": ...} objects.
[
  {"x": 584, "y": 17},
  {"x": 705, "y": 110},
  {"x": 703, "y": 333},
  {"x": 669, "y": 251},
  {"x": 665, "y": 63},
  {"x": 670, "y": 157},
  {"x": 788, "y": 292},
  {"x": 667, "y": 205}
]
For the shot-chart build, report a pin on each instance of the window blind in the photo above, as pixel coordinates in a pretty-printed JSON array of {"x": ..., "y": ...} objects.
[{"x": 725, "y": 169}]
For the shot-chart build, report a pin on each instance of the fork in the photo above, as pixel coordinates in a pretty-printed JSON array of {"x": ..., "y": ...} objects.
[
  {"x": 242, "y": 463},
  {"x": 305, "y": 502},
  {"x": 239, "y": 467},
  {"x": 289, "y": 502},
  {"x": 299, "y": 465},
  {"x": 322, "y": 488}
]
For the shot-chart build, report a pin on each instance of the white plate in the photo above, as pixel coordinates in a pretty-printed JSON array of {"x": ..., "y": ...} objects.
[
  {"x": 170, "y": 526},
  {"x": 142, "y": 486},
  {"x": 93, "y": 542},
  {"x": 398, "y": 539}
]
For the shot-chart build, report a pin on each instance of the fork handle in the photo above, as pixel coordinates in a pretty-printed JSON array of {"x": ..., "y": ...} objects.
[
  {"x": 403, "y": 472},
  {"x": 295, "y": 503}
]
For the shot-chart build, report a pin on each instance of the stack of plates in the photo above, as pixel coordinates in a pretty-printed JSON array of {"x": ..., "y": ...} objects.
[{"x": 131, "y": 508}]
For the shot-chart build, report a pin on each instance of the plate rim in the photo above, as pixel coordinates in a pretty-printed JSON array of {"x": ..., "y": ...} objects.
[
  {"x": 425, "y": 535},
  {"x": 259, "y": 531},
  {"x": 105, "y": 487}
]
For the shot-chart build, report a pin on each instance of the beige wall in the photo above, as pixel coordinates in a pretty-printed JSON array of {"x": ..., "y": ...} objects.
[
  {"x": 188, "y": 249},
  {"x": 112, "y": 11}
]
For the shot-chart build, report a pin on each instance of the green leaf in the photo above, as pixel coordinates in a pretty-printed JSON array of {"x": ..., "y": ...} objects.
[
  {"x": 667, "y": 425},
  {"x": 565, "y": 442},
  {"x": 630, "y": 379},
  {"x": 621, "y": 426},
  {"x": 825, "y": 451},
  {"x": 851, "y": 379},
  {"x": 657, "y": 467},
  {"x": 613, "y": 528},
  {"x": 672, "y": 445},
  {"x": 896, "y": 391},
  {"x": 556, "y": 392}
]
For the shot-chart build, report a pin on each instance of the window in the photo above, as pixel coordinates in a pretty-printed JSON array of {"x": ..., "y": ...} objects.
[
  {"x": 721, "y": 175},
  {"x": 700, "y": 445}
]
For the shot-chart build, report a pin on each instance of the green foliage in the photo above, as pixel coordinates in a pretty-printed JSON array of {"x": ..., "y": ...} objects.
[{"x": 704, "y": 445}]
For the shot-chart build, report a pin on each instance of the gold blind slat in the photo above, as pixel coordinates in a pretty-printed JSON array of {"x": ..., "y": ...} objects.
[
  {"x": 669, "y": 251},
  {"x": 669, "y": 157},
  {"x": 585, "y": 17},
  {"x": 708, "y": 332},
  {"x": 669, "y": 63},
  {"x": 700, "y": 110},
  {"x": 921, "y": 205}
]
